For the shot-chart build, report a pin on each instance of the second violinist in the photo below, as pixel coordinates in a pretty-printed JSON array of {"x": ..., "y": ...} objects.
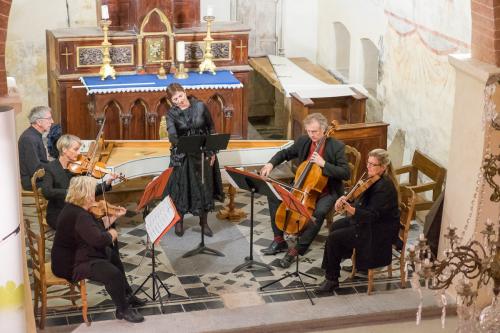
[
  {"x": 333, "y": 163},
  {"x": 57, "y": 177}
]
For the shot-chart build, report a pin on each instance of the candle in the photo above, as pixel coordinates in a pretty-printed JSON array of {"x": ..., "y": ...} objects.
[
  {"x": 210, "y": 11},
  {"x": 104, "y": 12},
  {"x": 421, "y": 237},
  {"x": 181, "y": 51}
]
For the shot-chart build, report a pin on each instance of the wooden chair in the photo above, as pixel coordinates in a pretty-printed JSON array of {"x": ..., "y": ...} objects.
[
  {"x": 43, "y": 279},
  {"x": 41, "y": 206},
  {"x": 406, "y": 208},
  {"x": 354, "y": 158},
  {"x": 423, "y": 164}
]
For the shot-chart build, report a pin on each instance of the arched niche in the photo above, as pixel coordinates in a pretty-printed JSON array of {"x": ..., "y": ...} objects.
[
  {"x": 342, "y": 47},
  {"x": 221, "y": 113},
  {"x": 136, "y": 126},
  {"x": 113, "y": 114},
  {"x": 370, "y": 65}
]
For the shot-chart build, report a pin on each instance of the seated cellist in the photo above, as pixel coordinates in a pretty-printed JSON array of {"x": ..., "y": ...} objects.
[{"x": 332, "y": 160}]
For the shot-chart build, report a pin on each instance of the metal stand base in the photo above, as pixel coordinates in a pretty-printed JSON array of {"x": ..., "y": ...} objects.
[
  {"x": 202, "y": 249},
  {"x": 156, "y": 283}
]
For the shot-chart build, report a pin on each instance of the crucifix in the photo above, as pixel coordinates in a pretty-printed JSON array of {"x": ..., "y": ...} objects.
[
  {"x": 241, "y": 47},
  {"x": 66, "y": 54}
]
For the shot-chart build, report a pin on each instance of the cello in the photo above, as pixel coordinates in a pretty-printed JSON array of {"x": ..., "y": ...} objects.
[{"x": 308, "y": 184}]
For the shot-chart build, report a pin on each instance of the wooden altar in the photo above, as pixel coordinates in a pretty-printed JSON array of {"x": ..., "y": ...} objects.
[{"x": 144, "y": 32}]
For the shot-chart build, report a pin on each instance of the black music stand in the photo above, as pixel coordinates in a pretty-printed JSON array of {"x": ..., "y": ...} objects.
[
  {"x": 201, "y": 144},
  {"x": 295, "y": 205},
  {"x": 156, "y": 282},
  {"x": 254, "y": 184}
]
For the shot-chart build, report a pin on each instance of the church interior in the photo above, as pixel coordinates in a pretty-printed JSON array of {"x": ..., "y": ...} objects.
[{"x": 416, "y": 78}]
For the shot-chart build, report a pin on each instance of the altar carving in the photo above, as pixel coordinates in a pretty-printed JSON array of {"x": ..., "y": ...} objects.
[{"x": 143, "y": 33}]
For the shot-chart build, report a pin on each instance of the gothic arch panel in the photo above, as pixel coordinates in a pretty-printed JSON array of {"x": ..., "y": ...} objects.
[{"x": 112, "y": 113}]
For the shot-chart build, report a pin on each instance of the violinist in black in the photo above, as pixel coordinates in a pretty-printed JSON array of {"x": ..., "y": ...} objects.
[
  {"x": 371, "y": 226},
  {"x": 55, "y": 183},
  {"x": 187, "y": 117},
  {"x": 332, "y": 160}
]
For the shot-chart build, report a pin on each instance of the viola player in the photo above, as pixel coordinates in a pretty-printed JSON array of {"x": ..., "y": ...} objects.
[
  {"x": 333, "y": 163},
  {"x": 370, "y": 227},
  {"x": 84, "y": 249}
]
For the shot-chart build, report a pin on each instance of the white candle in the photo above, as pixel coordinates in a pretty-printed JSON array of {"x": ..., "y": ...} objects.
[
  {"x": 210, "y": 11},
  {"x": 180, "y": 51},
  {"x": 421, "y": 237},
  {"x": 104, "y": 12}
]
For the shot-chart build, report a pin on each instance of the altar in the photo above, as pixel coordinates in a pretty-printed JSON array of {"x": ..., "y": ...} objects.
[{"x": 144, "y": 35}]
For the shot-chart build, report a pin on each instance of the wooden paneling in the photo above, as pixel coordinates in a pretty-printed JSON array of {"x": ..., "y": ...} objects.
[
  {"x": 344, "y": 109},
  {"x": 364, "y": 137}
]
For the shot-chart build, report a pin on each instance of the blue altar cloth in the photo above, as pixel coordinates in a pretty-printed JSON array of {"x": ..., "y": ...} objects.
[{"x": 150, "y": 82}]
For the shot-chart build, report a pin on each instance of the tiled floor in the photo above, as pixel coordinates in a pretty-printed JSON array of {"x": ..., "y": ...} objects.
[{"x": 211, "y": 289}]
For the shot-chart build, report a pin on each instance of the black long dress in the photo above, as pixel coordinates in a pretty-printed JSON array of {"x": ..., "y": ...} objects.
[{"x": 184, "y": 186}]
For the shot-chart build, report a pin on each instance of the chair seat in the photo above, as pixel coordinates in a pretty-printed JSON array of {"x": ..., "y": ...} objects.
[{"x": 50, "y": 278}]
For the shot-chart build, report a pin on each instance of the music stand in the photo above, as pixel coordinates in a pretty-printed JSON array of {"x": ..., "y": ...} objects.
[
  {"x": 254, "y": 184},
  {"x": 201, "y": 144},
  {"x": 292, "y": 203}
]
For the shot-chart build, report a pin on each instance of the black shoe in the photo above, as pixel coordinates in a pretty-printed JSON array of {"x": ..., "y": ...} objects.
[
  {"x": 275, "y": 248},
  {"x": 135, "y": 301},
  {"x": 327, "y": 286},
  {"x": 179, "y": 228},
  {"x": 130, "y": 315},
  {"x": 287, "y": 260}
]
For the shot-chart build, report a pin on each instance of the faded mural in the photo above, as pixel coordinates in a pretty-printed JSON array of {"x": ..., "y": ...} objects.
[{"x": 415, "y": 90}]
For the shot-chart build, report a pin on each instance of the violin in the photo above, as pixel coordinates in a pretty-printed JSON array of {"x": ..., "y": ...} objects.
[
  {"x": 308, "y": 184},
  {"x": 103, "y": 208},
  {"x": 97, "y": 170},
  {"x": 357, "y": 190}
]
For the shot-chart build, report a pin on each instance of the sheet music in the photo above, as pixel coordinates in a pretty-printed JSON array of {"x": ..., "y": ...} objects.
[{"x": 160, "y": 218}]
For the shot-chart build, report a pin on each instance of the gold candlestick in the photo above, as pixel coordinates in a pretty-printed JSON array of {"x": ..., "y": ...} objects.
[
  {"x": 106, "y": 68},
  {"x": 162, "y": 74},
  {"x": 181, "y": 72},
  {"x": 207, "y": 64}
]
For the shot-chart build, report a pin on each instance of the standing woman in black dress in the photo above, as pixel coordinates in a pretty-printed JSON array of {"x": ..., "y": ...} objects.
[{"x": 189, "y": 116}]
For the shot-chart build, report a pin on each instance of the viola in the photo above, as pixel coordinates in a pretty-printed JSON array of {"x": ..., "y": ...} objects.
[
  {"x": 309, "y": 182},
  {"x": 103, "y": 208},
  {"x": 97, "y": 170},
  {"x": 357, "y": 190}
]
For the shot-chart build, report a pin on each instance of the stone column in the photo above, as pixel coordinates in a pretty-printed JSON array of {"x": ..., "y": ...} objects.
[{"x": 12, "y": 288}]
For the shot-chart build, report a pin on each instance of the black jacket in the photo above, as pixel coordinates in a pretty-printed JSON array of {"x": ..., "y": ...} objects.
[
  {"x": 336, "y": 167},
  {"x": 55, "y": 186},
  {"x": 79, "y": 240},
  {"x": 32, "y": 155},
  {"x": 377, "y": 223}
]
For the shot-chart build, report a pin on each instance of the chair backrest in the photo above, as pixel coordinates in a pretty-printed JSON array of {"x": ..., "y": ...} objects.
[
  {"x": 354, "y": 158},
  {"x": 40, "y": 201},
  {"x": 36, "y": 246},
  {"x": 406, "y": 209},
  {"x": 431, "y": 169}
]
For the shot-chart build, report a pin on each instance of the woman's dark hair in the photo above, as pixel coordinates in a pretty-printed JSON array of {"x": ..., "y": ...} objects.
[{"x": 174, "y": 88}]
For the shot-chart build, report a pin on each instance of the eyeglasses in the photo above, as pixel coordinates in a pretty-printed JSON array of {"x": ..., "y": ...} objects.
[
  {"x": 372, "y": 164},
  {"x": 46, "y": 118}
]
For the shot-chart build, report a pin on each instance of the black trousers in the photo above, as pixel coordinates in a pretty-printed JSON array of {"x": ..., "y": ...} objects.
[
  {"x": 112, "y": 274},
  {"x": 339, "y": 245},
  {"x": 323, "y": 206}
]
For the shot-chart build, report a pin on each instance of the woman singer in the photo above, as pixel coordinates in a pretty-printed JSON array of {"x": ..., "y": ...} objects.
[
  {"x": 189, "y": 116},
  {"x": 371, "y": 225}
]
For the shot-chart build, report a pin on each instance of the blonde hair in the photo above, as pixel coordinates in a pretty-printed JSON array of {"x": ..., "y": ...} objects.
[
  {"x": 81, "y": 190},
  {"x": 65, "y": 142},
  {"x": 318, "y": 117},
  {"x": 383, "y": 158}
]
